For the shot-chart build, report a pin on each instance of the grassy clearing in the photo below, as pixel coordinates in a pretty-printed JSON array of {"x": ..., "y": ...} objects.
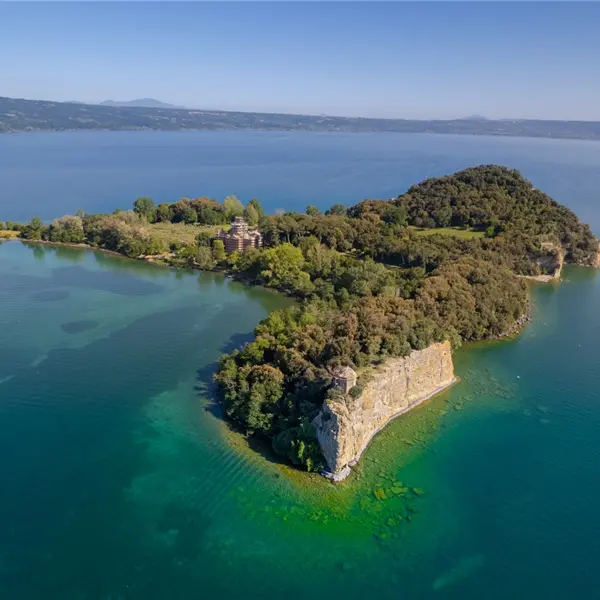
[
  {"x": 465, "y": 234},
  {"x": 180, "y": 232},
  {"x": 6, "y": 234}
]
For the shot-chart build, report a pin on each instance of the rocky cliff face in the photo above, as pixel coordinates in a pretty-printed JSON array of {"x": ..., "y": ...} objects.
[
  {"x": 593, "y": 259},
  {"x": 346, "y": 424},
  {"x": 551, "y": 265},
  {"x": 596, "y": 258}
]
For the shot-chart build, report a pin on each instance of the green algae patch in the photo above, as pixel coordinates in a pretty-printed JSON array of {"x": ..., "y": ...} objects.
[
  {"x": 379, "y": 494},
  {"x": 377, "y": 502}
]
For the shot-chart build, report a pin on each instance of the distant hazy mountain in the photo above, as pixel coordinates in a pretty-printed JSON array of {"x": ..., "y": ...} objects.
[
  {"x": 42, "y": 115},
  {"x": 140, "y": 103},
  {"x": 474, "y": 118}
]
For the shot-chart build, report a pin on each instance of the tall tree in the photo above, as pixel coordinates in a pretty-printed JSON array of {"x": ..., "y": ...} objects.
[
  {"x": 219, "y": 250},
  {"x": 67, "y": 229},
  {"x": 233, "y": 207},
  {"x": 164, "y": 213},
  {"x": 145, "y": 207},
  {"x": 251, "y": 215},
  {"x": 204, "y": 258},
  {"x": 183, "y": 212},
  {"x": 258, "y": 207},
  {"x": 35, "y": 230}
]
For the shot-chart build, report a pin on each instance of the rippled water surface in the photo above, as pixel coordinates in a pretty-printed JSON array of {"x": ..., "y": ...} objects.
[
  {"x": 50, "y": 174},
  {"x": 119, "y": 480}
]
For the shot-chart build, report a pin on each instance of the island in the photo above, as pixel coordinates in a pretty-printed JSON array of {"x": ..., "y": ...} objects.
[{"x": 385, "y": 290}]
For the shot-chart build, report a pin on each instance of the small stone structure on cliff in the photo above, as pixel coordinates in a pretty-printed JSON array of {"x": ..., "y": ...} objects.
[
  {"x": 240, "y": 237},
  {"x": 347, "y": 423},
  {"x": 344, "y": 378}
]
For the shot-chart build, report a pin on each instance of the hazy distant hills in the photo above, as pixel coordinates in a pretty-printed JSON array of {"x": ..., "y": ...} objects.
[
  {"x": 42, "y": 115},
  {"x": 140, "y": 103},
  {"x": 474, "y": 118}
]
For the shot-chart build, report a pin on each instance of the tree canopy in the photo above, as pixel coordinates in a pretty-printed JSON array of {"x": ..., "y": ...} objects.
[
  {"x": 233, "y": 207},
  {"x": 145, "y": 207},
  {"x": 501, "y": 200}
]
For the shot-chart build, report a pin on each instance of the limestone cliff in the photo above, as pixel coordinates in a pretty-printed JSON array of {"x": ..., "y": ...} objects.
[
  {"x": 346, "y": 424},
  {"x": 596, "y": 258},
  {"x": 551, "y": 265}
]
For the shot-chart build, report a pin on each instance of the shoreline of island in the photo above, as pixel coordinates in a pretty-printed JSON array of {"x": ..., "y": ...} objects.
[
  {"x": 346, "y": 471},
  {"x": 383, "y": 279}
]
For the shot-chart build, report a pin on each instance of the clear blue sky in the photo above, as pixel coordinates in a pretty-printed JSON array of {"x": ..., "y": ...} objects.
[{"x": 413, "y": 60}]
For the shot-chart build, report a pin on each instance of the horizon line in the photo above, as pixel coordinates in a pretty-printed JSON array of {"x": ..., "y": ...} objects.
[{"x": 298, "y": 114}]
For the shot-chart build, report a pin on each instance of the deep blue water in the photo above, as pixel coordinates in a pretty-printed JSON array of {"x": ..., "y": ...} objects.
[
  {"x": 118, "y": 479},
  {"x": 50, "y": 174}
]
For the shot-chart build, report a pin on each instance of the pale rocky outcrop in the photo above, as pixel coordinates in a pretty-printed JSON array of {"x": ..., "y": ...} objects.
[
  {"x": 552, "y": 264},
  {"x": 346, "y": 424},
  {"x": 596, "y": 259}
]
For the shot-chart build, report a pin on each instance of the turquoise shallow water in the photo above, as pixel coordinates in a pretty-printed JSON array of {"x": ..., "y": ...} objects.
[{"x": 120, "y": 481}]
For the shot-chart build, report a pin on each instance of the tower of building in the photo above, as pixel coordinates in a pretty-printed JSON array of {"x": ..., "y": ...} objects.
[{"x": 240, "y": 237}]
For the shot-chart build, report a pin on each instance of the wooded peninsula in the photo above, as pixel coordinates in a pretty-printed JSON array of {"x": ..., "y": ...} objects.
[{"x": 378, "y": 280}]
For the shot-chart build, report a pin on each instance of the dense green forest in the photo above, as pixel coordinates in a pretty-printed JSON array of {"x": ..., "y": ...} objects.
[{"x": 378, "y": 279}]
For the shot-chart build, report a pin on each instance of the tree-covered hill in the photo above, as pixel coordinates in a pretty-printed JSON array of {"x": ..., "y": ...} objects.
[{"x": 497, "y": 200}]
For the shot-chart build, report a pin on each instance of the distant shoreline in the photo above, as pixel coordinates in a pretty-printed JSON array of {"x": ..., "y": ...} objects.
[
  {"x": 308, "y": 131},
  {"x": 23, "y": 116}
]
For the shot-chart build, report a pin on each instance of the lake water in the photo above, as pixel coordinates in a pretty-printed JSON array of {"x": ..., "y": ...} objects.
[
  {"x": 119, "y": 480},
  {"x": 50, "y": 174}
]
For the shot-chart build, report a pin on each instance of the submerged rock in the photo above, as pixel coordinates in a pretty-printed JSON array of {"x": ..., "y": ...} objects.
[
  {"x": 379, "y": 494},
  {"x": 465, "y": 567}
]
